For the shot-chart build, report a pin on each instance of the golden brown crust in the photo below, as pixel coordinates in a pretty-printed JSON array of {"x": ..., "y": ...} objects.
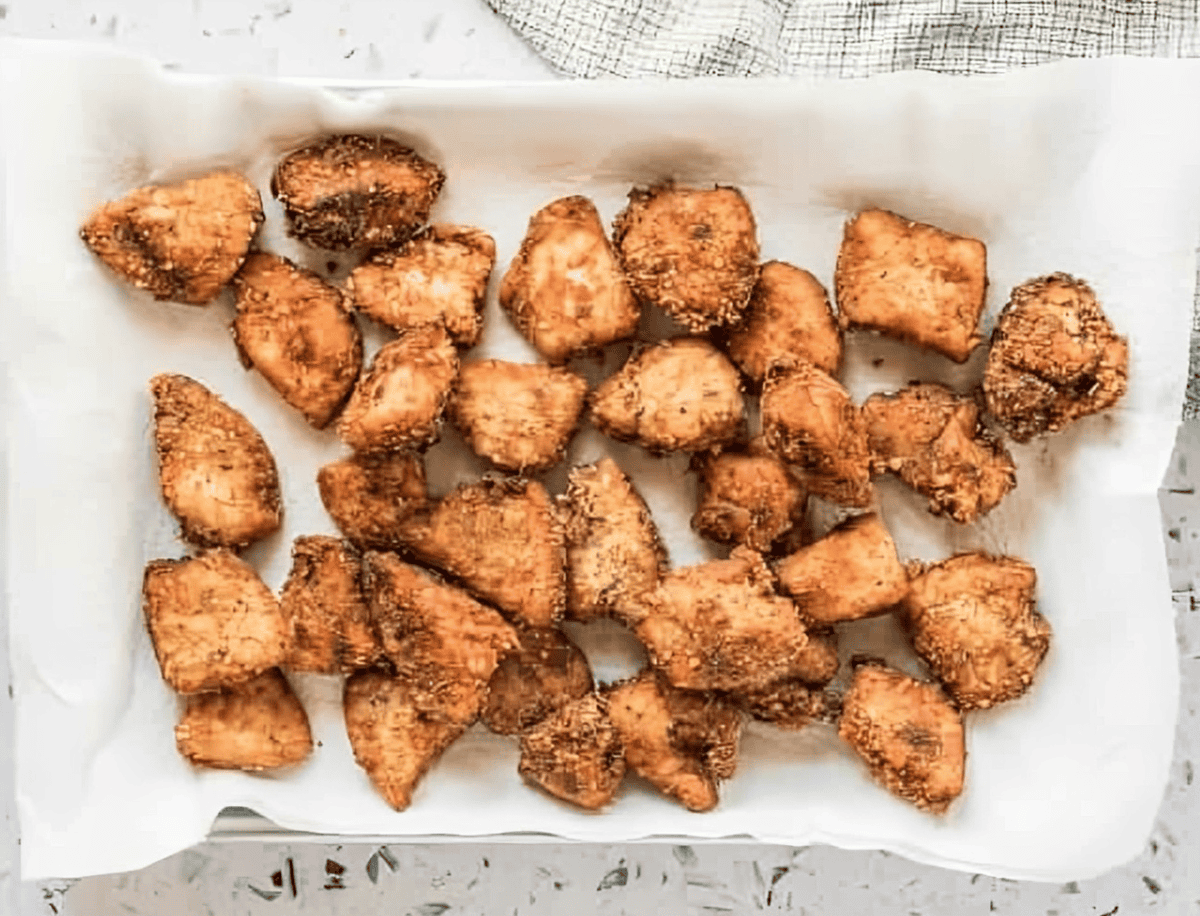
[
  {"x": 534, "y": 680},
  {"x": 368, "y": 496},
  {"x": 748, "y": 498},
  {"x": 181, "y": 241},
  {"x": 216, "y": 473},
  {"x": 790, "y": 705},
  {"x": 353, "y": 191},
  {"x": 575, "y": 754}
]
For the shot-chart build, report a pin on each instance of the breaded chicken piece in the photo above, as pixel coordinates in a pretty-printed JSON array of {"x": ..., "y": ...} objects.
[
  {"x": 721, "y": 626},
  {"x": 908, "y": 732},
  {"x": 809, "y": 420},
  {"x": 676, "y": 395},
  {"x": 352, "y": 191},
  {"x": 935, "y": 441},
  {"x": 438, "y": 277},
  {"x": 748, "y": 498},
  {"x": 367, "y": 496},
  {"x": 974, "y": 620},
  {"x": 216, "y": 473},
  {"x": 564, "y": 290},
  {"x": 545, "y": 672},
  {"x": 614, "y": 552},
  {"x": 212, "y": 621},
  {"x": 181, "y": 242},
  {"x": 683, "y": 742},
  {"x": 520, "y": 416},
  {"x": 297, "y": 330},
  {"x": 1054, "y": 358},
  {"x": 790, "y": 705},
  {"x": 850, "y": 573},
  {"x": 258, "y": 725},
  {"x": 911, "y": 281},
  {"x": 575, "y": 754},
  {"x": 323, "y": 602},
  {"x": 398, "y": 404},
  {"x": 503, "y": 540},
  {"x": 693, "y": 252},
  {"x": 789, "y": 318}
]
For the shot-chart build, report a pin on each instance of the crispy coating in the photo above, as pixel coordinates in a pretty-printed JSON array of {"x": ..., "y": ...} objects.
[
  {"x": 367, "y": 496},
  {"x": 721, "y": 626},
  {"x": 851, "y": 573},
  {"x": 679, "y": 394},
  {"x": 503, "y": 540},
  {"x": 438, "y": 277},
  {"x": 212, "y": 621},
  {"x": 909, "y": 734},
  {"x": 323, "y": 602},
  {"x": 352, "y": 191},
  {"x": 790, "y": 705},
  {"x": 544, "y": 673},
  {"x": 912, "y": 281},
  {"x": 520, "y": 416},
  {"x": 258, "y": 725},
  {"x": 693, "y": 252},
  {"x": 974, "y": 620},
  {"x": 575, "y": 754},
  {"x": 809, "y": 420},
  {"x": 789, "y": 318},
  {"x": 181, "y": 241},
  {"x": 935, "y": 441},
  {"x": 1054, "y": 358},
  {"x": 748, "y": 498},
  {"x": 216, "y": 473},
  {"x": 683, "y": 742},
  {"x": 564, "y": 290},
  {"x": 614, "y": 552},
  {"x": 398, "y": 404},
  {"x": 297, "y": 330}
]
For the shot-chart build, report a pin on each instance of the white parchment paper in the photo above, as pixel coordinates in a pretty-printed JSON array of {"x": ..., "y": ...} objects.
[{"x": 1086, "y": 167}]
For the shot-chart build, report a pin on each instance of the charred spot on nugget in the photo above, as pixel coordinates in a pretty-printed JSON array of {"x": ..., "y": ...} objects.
[
  {"x": 790, "y": 705},
  {"x": 912, "y": 281},
  {"x": 1054, "y": 358},
  {"x": 368, "y": 496},
  {"x": 181, "y": 242},
  {"x": 545, "y": 672},
  {"x": 749, "y": 498},
  {"x": 575, "y": 753},
  {"x": 354, "y": 191}
]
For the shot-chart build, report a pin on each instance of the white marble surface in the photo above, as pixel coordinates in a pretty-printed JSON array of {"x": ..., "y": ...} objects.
[{"x": 462, "y": 39}]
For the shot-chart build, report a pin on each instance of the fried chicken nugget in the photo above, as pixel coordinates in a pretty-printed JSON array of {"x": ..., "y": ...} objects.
[
  {"x": 565, "y": 291},
  {"x": 352, "y": 191},
  {"x": 216, "y": 473},
  {"x": 520, "y": 416},
  {"x": 935, "y": 441},
  {"x": 438, "y": 277},
  {"x": 575, "y": 754},
  {"x": 748, "y": 498},
  {"x": 258, "y": 725},
  {"x": 614, "y": 552},
  {"x": 545, "y": 672},
  {"x": 809, "y": 420},
  {"x": 909, "y": 734},
  {"x": 398, "y": 404},
  {"x": 181, "y": 241},
  {"x": 851, "y": 573},
  {"x": 974, "y": 620},
  {"x": 367, "y": 496},
  {"x": 1054, "y": 358},
  {"x": 679, "y": 394},
  {"x": 721, "y": 626},
  {"x": 296, "y": 330},
  {"x": 683, "y": 742},
  {"x": 693, "y": 252},
  {"x": 790, "y": 705},
  {"x": 789, "y": 318},
  {"x": 212, "y": 621}
]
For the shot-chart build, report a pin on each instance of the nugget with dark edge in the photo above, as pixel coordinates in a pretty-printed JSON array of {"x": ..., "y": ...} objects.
[
  {"x": 911, "y": 281},
  {"x": 212, "y": 621},
  {"x": 790, "y": 705},
  {"x": 438, "y": 277},
  {"x": 748, "y": 498},
  {"x": 258, "y": 725},
  {"x": 216, "y": 473},
  {"x": 575, "y": 753},
  {"x": 368, "y": 495},
  {"x": 352, "y": 191},
  {"x": 973, "y": 618},
  {"x": 564, "y": 290},
  {"x": 181, "y": 242},
  {"x": 1054, "y": 358},
  {"x": 545, "y": 672}
]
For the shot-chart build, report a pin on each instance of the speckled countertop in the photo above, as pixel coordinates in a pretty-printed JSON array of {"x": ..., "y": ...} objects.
[{"x": 462, "y": 39}]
